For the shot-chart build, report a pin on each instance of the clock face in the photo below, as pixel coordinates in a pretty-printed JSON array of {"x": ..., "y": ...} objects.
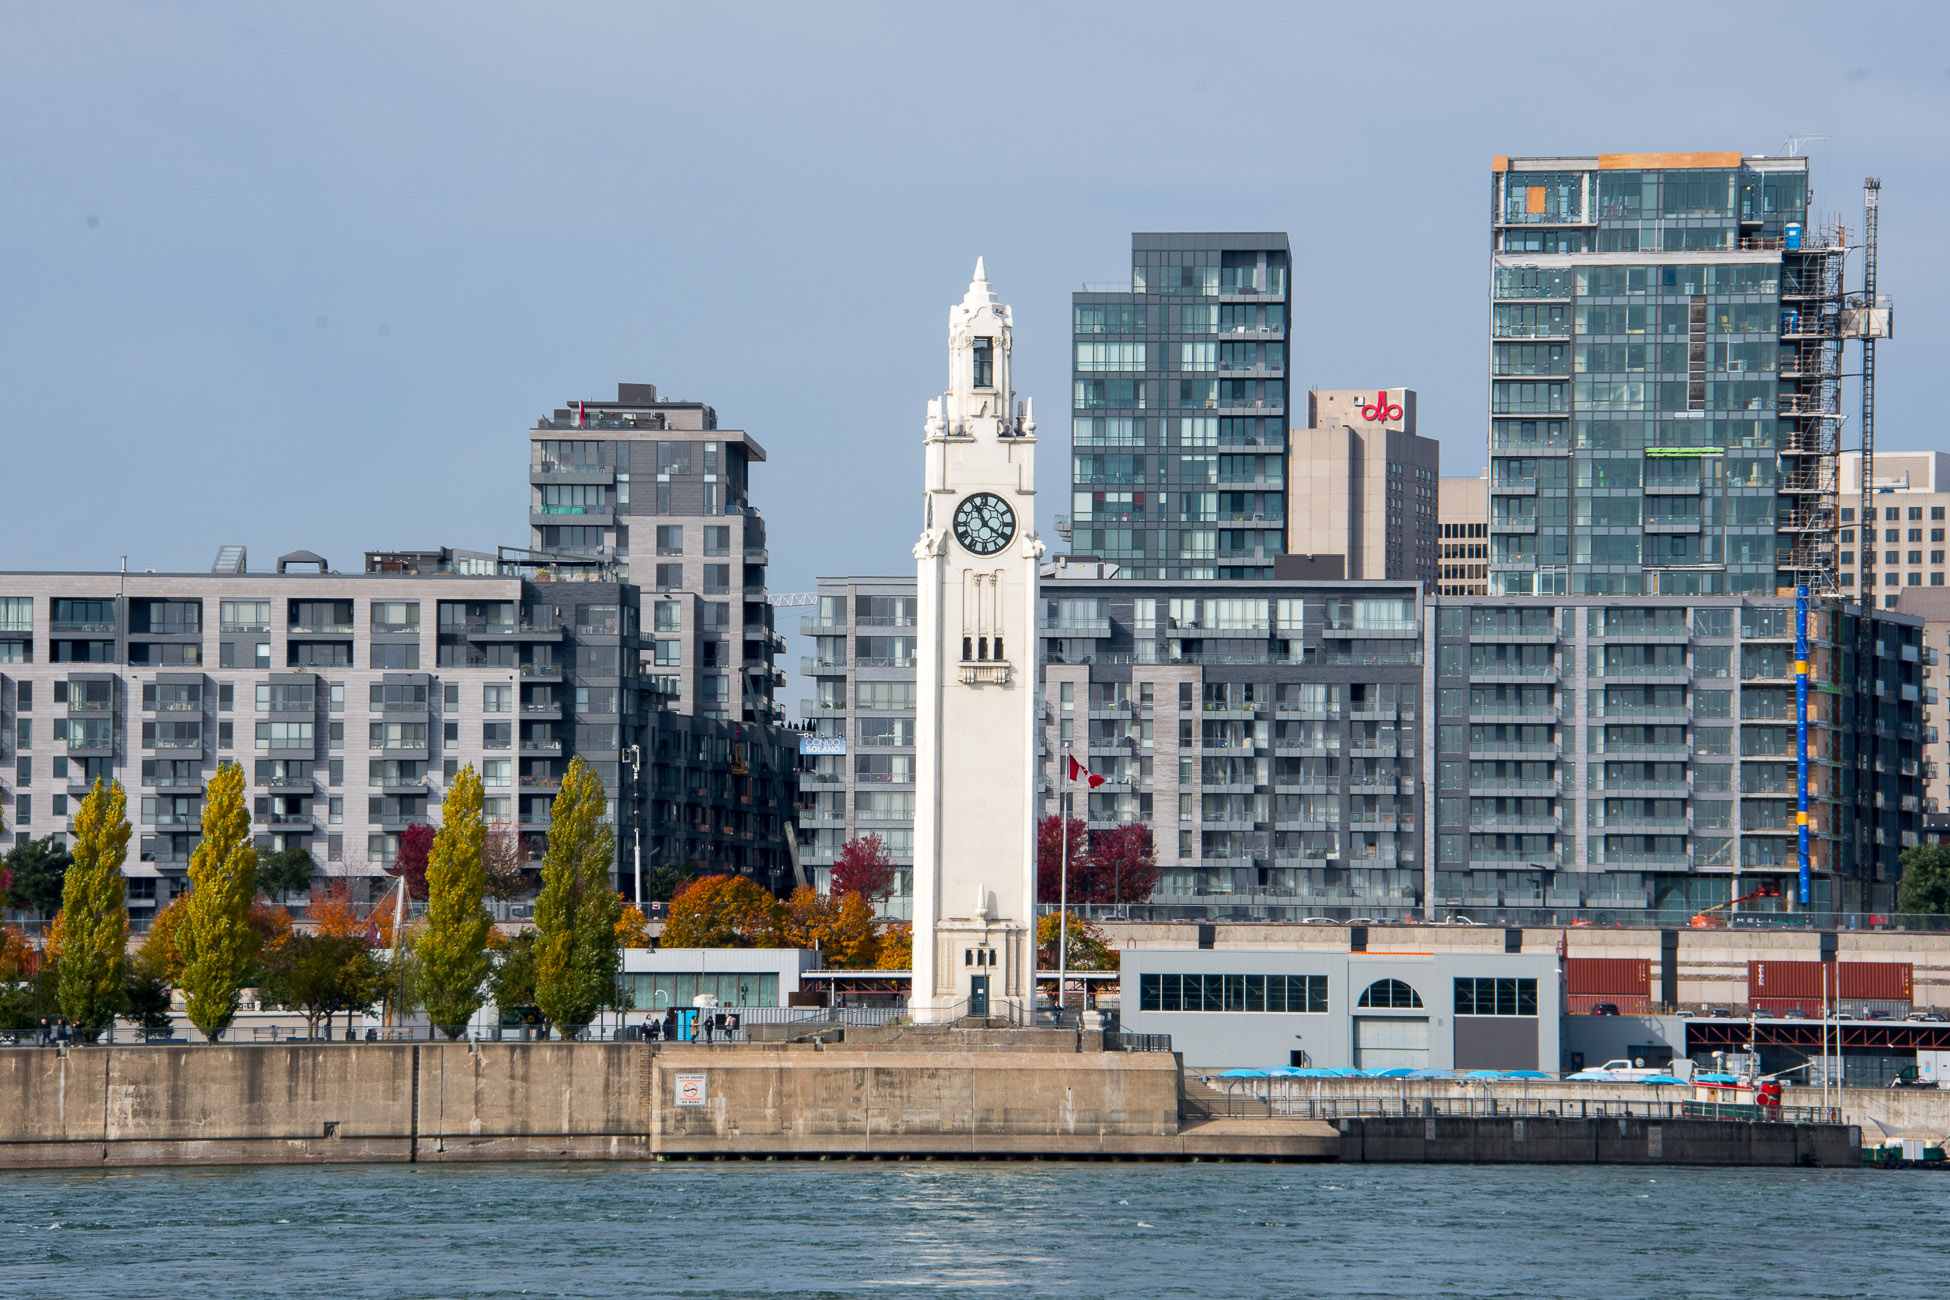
[{"x": 984, "y": 523}]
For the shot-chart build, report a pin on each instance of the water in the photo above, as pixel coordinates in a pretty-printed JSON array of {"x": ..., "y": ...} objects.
[{"x": 828, "y": 1229}]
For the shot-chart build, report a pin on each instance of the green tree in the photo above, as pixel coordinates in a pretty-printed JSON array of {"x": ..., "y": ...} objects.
[
  {"x": 145, "y": 991},
  {"x": 38, "y": 870},
  {"x": 323, "y": 974},
  {"x": 512, "y": 983},
  {"x": 1925, "y": 885},
  {"x": 453, "y": 951},
  {"x": 215, "y": 937},
  {"x": 94, "y": 918},
  {"x": 286, "y": 872},
  {"x": 1088, "y": 950},
  {"x": 577, "y": 910},
  {"x": 669, "y": 880}
]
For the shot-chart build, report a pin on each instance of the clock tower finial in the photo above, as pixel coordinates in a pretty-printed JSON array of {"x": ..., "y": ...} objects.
[{"x": 977, "y": 587}]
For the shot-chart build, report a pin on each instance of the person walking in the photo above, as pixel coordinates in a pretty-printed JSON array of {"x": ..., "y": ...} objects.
[
  {"x": 63, "y": 1034},
  {"x": 670, "y": 1025},
  {"x": 47, "y": 1033}
]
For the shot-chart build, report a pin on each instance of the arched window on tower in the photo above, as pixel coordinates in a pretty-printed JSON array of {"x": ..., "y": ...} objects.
[
  {"x": 1390, "y": 994},
  {"x": 984, "y": 363}
]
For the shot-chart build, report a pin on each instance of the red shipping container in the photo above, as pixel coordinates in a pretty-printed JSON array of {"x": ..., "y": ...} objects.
[
  {"x": 1805, "y": 983},
  {"x": 1876, "y": 981},
  {"x": 1608, "y": 978}
]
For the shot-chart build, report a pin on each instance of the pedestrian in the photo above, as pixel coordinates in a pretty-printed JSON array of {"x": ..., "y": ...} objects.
[
  {"x": 63, "y": 1034},
  {"x": 670, "y": 1025},
  {"x": 47, "y": 1032},
  {"x": 704, "y": 1022}
]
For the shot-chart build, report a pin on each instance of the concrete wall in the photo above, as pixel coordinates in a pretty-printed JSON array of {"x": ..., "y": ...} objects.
[
  {"x": 418, "y": 1102},
  {"x": 1439, "y": 1140}
]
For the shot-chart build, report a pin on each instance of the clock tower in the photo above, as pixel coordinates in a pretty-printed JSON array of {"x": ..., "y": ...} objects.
[{"x": 975, "y": 732}]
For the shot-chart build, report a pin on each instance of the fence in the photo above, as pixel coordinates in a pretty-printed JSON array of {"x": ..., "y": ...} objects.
[
  {"x": 1289, "y": 909},
  {"x": 1298, "y": 1102}
]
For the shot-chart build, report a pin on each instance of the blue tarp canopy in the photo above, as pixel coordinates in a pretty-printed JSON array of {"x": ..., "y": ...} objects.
[
  {"x": 1484, "y": 1074},
  {"x": 1396, "y": 1072},
  {"x": 1716, "y": 1078},
  {"x": 1243, "y": 1074},
  {"x": 1525, "y": 1074},
  {"x": 1661, "y": 1080},
  {"x": 1433, "y": 1074}
]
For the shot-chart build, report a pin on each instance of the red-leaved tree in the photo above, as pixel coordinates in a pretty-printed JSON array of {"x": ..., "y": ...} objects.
[
  {"x": 1049, "y": 857},
  {"x": 1121, "y": 866},
  {"x": 864, "y": 867},
  {"x": 415, "y": 843}
]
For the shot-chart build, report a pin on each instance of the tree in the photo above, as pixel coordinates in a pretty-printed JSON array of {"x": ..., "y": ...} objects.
[
  {"x": 19, "y": 964},
  {"x": 723, "y": 912},
  {"x": 504, "y": 864},
  {"x": 1120, "y": 866},
  {"x": 332, "y": 911},
  {"x": 669, "y": 880},
  {"x": 159, "y": 949},
  {"x": 453, "y": 951},
  {"x": 1049, "y": 857},
  {"x": 95, "y": 919},
  {"x": 415, "y": 843},
  {"x": 38, "y": 869},
  {"x": 215, "y": 937},
  {"x": 864, "y": 867},
  {"x": 512, "y": 982},
  {"x": 578, "y": 908},
  {"x": 839, "y": 925},
  {"x": 1925, "y": 884},
  {"x": 1087, "y": 947},
  {"x": 321, "y": 975},
  {"x": 145, "y": 991},
  {"x": 286, "y": 872},
  {"x": 897, "y": 946},
  {"x": 632, "y": 928}
]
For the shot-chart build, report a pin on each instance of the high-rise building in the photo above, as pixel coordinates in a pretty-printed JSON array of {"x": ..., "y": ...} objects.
[
  {"x": 1179, "y": 420},
  {"x": 658, "y": 487},
  {"x": 1463, "y": 516},
  {"x": 1363, "y": 485},
  {"x": 1664, "y": 376},
  {"x": 1911, "y": 492}
]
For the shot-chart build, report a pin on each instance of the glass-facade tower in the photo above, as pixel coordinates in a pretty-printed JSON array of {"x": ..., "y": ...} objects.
[
  {"x": 1179, "y": 427},
  {"x": 1663, "y": 376}
]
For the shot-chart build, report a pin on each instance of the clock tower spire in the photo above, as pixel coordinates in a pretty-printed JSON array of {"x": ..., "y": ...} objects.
[{"x": 975, "y": 733}]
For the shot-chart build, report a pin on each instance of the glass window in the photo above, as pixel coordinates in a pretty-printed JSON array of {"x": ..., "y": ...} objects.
[{"x": 1390, "y": 993}]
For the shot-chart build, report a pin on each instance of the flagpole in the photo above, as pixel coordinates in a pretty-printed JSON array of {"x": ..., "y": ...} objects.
[{"x": 1063, "y": 891}]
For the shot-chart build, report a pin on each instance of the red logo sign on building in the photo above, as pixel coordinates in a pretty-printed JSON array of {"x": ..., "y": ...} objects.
[{"x": 1381, "y": 408}]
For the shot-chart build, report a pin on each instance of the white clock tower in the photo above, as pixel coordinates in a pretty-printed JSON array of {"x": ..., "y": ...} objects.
[{"x": 975, "y": 769}]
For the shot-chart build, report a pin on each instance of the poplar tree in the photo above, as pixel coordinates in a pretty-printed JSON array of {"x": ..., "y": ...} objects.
[
  {"x": 577, "y": 911},
  {"x": 95, "y": 919},
  {"x": 215, "y": 937},
  {"x": 453, "y": 954}
]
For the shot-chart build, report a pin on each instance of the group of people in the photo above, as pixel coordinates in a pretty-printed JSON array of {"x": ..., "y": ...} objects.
[
  {"x": 706, "y": 1026},
  {"x": 56, "y": 1033}
]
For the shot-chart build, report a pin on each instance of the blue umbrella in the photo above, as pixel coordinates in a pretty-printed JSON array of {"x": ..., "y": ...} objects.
[
  {"x": 1243, "y": 1074},
  {"x": 1661, "y": 1080},
  {"x": 1484, "y": 1074},
  {"x": 1343, "y": 1072},
  {"x": 1433, "y": 1074},
  {"x": 1525, "y": 1074},
  {"x": 1397, "y": 1072},
  {"x": 1716, "y": 1078}
]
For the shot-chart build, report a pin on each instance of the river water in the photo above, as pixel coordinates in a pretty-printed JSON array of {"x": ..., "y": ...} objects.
[{"x": 840, "y": 1229}]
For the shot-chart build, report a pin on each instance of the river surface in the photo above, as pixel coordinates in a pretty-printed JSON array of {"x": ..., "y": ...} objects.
[{"x": 824, "y": 1229}]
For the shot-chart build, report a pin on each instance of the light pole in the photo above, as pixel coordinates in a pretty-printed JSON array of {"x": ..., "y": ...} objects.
[{"x": 634, "y": 757}]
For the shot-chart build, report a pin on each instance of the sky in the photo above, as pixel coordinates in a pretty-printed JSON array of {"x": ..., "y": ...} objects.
[{"x": 302, "y": 276}]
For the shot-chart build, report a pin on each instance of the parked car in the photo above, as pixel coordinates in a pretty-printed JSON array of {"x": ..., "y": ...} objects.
[
  {"x": 1911, "y": 1077},
  {"x": 1604, "y": 1008},
  {"x": 1617, "y": 1071},
  {"x": 1794, "y": 1013},
  {"x": 1876, "y": 1013}
]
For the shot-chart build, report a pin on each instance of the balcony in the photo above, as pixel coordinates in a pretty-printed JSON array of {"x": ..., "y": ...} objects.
[
  {"x": 74, "y": 627},
  {"x": 91, "y": 744},
  {"x": 542, "y": 672},
  {"x": 537, "y": 745},
  {"x": 319, "y": 629}
]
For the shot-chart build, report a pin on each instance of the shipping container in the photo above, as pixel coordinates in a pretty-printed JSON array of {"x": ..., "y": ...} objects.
[
  {"x": 1611, "y": 977},
  {"x": 1777, "y": 984}
]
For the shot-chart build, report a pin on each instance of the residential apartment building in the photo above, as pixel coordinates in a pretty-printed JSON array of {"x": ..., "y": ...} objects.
[
  {"x": 1932, "y": 605},
  {"x": 1463, "y": 518},
  {"x": 1911, "y": 490},
  {"x": 351, "y": 700},
  {"x": 657, "y": 487},
  {"x": 1645, "y": 753},
  {"x": 1354, "y": 749},
  {"x": 1179, "y": 419},
  {"x": 1664, "y": 377},
  {"x": 1364, "y": 486}
]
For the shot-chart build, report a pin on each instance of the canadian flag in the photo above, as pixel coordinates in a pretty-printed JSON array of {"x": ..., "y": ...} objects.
[{"x": 1078, "y": 772}]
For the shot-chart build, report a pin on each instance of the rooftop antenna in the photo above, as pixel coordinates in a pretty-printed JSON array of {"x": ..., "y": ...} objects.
[{"x": 1794, "y": 143}]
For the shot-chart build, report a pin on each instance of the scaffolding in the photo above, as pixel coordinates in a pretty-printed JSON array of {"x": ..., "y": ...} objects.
[{"x": 1809, "y": 410}]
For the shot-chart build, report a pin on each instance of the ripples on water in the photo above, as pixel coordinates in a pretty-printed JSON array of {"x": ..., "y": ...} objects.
[{"x": 835, "y": 1229}]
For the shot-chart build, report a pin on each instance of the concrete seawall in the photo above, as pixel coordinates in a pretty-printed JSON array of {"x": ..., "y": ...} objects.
[{"x": 402, "y": 1103}]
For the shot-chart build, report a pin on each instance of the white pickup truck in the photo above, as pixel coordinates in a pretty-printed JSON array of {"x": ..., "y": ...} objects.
[{"x": 1619, "y": 1071}]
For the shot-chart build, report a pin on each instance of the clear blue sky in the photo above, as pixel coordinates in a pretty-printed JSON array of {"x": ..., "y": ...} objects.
[{"x": 302, "y": 275}]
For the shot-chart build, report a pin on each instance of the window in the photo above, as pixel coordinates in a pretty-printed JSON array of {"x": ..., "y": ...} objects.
[
  {"x": 1287, "y": 994},
  {"x": 497, "y": 699},
  {"x": 1392, "y": 994},
  {"x": 670, "y": 539},
  {"x": 1496, "y": 997},
  {"x": 395, "y": 655},
  {"x": 984, "y": 358},
  {"x": 16, "y": 613},
  {"x": 394, "y": 615},
  {"x": 497, "y": 772}
]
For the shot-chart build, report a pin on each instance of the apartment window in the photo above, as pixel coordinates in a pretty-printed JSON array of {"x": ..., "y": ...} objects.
[
  {"x": 668, "y": 616},
  {"x": 497, "y": 772},
  {"x": 23, "y": 809},
  {"x": 1936, "y": 579},
  {"x": 984, "y": 358},
  {"x": 497, "y": 699},
  {"x": 670, "y": 539},
  {"x": 450, "y": 695},
  {"x": 244, "y": 616},
  {"x": 395, "y": 615},
  {"x": 1890, "y": 514},
  {"x": 497, "y": 735},
  {"x": 1916, "y": 512},
  {"x": 1915, "y": 534},
  {"x": 717, "y": 579},
  {"x": 395, "y": 655},
  {"x": 1916, "y": 557},
  {"x": 670, "y": 577}
]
